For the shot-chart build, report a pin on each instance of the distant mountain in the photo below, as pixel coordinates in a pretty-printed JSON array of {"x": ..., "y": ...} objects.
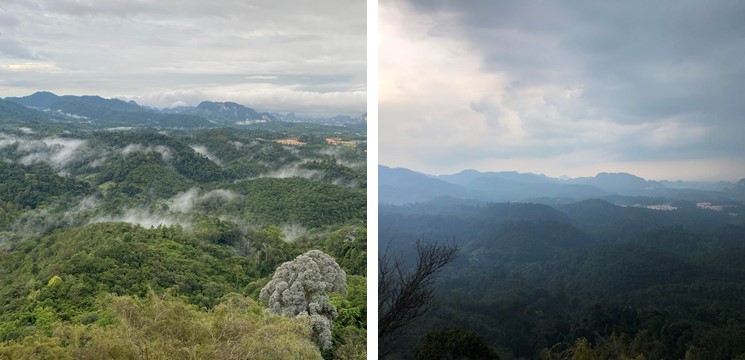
[
  {"x": 70, "y": 103},
  {"x": 737, "y": 190},
  {"x": 397, "y": 185},
  {"x": 230, "y": 112},
  {"x": 467, "y": 176},
  {"x": 98, "y": 111},
  {"x": 39, "y": 100},
  {"x": 401, "y": 186},
  {"x": 499, "y": 189},
  {"x": 697, "y": 185},
  {"x": 11, "y": 112},
  {"x": 620, "y": 188},
  {"x": 622, "y": 184}
]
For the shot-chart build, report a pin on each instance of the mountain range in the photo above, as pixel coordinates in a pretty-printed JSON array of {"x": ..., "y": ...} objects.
[
  {"x": 99, "y": 111},
  {"x": 401, "y": 186}
]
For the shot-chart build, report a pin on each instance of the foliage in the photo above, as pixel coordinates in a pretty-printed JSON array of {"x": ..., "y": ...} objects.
[
  {"x": 300, "y": 200},
  {"x": 300, "y": 287},
  {"x": 585, "y": 286},
  {"x": 404, "y": 296},
  {"x": 82, "y": 263},
  {"x": 160, "y": 328},
  {"x": 453, "y": 343},
  {"x": 35, "y": 185},
  {"x": 217, "y": 218},
  {"x": 348, "y": 246},
  {"x": 335, "y": 172}
]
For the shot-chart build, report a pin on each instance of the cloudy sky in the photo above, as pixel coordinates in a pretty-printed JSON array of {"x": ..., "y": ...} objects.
[
  {"x": 564, "y": 88},
  {"x": 274, "y": 55}
]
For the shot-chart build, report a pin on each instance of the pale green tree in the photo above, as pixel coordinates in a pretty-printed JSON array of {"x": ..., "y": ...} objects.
[{"x": 300, "y": 288}]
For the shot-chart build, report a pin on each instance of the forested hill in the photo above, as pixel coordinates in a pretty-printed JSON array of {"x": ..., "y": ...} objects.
[
  {"x": 100, "y": 228},
  {"x": 591, "y": 277}
]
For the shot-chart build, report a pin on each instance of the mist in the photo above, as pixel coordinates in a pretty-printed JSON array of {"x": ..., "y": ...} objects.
[
  {"x": 201, "y": 149},
  {"x": 291, "y": 171},
  {"x": 294, "y": 232},
  {"x": 187, "y": 201},
  {"x": 142, "y": 217},
  {"x": 163, "y": 150}
]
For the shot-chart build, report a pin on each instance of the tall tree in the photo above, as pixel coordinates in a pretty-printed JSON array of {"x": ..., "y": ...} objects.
[{"x": 300, "y": 287}]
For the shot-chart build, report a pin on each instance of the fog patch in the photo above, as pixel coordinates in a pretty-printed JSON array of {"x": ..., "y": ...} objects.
[
  {"x": 294, "y": 232},
  {"x": 352, "y": 164},
  {"x": 292, "y": 149},
  {"x": 289, "y": 172},
  {"x": 7, "y": 140},
  {"x": 144, "y": 218},
  {"x": 37, "y": 221},
  {"x": 164, "y": 151},
  {"x": 333, "y": 151},
  {"x": 201, "y": 149},
  {"x": 57, "y": 151},
  {"x": 238, "y": 145},
  {"x": 26, "y": 130},
  {"x": 337, "y": 153},
  {"x": 345, "y": 183},
  {"x": 97, "y": 162},
  {"x": 187, "y": 201},
  {"x": 83, "y": 209}
]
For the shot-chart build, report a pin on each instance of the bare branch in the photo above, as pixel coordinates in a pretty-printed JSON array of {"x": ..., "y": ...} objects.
[{"x": 404, "y": 296}]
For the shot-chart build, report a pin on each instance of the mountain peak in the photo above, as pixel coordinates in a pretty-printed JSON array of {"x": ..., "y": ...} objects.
[{"x": 39, "y": 99}]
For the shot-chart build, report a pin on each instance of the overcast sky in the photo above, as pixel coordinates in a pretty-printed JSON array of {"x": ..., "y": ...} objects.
[
  {"x": 273, "y": 55},
  {"x": 564, "y": 88}
]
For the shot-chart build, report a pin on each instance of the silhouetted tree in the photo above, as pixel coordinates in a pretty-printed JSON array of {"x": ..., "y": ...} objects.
[{"x": 405, "y": 295}]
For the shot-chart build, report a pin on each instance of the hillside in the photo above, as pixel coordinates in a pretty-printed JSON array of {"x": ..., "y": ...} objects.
[
  {"x": 111, "y": 212},
  {"x": 539, "y": 281}
]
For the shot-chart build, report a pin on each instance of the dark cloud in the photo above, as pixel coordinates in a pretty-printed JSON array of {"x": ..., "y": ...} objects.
[
  {"x": 639, "y": 60},
  {"x": 669, "y": 76}
]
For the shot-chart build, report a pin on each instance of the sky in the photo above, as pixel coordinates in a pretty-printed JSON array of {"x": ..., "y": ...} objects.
[
  {"x": 571, "y": 88},
  {"x": 302, "y": 56}
]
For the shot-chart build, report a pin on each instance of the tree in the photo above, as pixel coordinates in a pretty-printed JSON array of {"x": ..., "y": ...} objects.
[
  {"x": 405, "y": 295},
  {"x": 453, "y": 343},
  {"x": 300, "y": 287}
]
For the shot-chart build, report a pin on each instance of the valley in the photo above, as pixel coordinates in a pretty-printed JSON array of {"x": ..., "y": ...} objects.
[
  {"x": 612, "y": 266},
  {"x": 110, "y": 211}
]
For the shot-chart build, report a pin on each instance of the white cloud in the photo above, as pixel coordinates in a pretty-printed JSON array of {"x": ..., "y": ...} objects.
[
  {"x": 58, "y": 152},
  {"x": 143, "y": 218},
  {"x": 202, "y": 150},
  {"x": 164, "y": 151},
  {"x": 428, "y": 85},
  {"x": 277, "y": 53},
  {"x": 186, "y": 201},
  {"x": 291, "y": 171}
]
